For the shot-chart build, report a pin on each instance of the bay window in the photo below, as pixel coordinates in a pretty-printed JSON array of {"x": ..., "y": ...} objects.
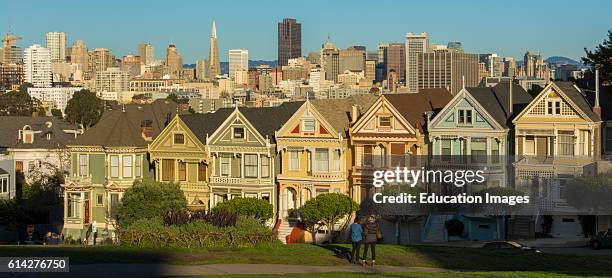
[{"x": 321, "y": 160}]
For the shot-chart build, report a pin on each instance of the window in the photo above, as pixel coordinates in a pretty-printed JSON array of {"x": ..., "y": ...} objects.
[
  {"x": 250, "y": 165},
  {"x": 83, "y": 165},
  {"x": 464, "y": 117},
  {"x": 99, "y": 200},
  {"x": 320, "y": 191},
  {"x": 138, "y": 166},
  {"x": 322, "y": 160},
  {"x": 367, "y": 155},
  {"x": 529, "y": 145},
  {"x": 238, "y": 133},
  {"x": 114, "y": 166},
  {"x": 201, "y": 171},
  {"x": 182, "y": 171},
  {"x": 4, "y": 184},
  {"x": 74, "y": 211},
  {"x": 225, "y": 165},
  {"x": 445, "y": 149},
  {"x": 337, "y": 161},
  {"x": 168, "y": 170},
  {"x": 265, "y": 167},
  {"x": 566, "y": 142},
  {"x": 479, "y": 150},
  {"x": 179, "y": 138},
  {"x": 265, "y": 196},
  {"x": 384, "y": 121},
  {"x": 553, "y": 107},
  {"x": 127, "y": 166},
  {"x": 584, "y": 142},
  {"x": 609, "y": 139},
  {"x": 308, "y": 125},
  {"x": 494, "y": 151},
  {"x": 114, "y": 205},
  {"x": 294, "y": 160}
]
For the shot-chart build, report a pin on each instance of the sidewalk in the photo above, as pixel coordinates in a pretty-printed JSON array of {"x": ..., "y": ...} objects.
[{"x": 150, "y": 270}]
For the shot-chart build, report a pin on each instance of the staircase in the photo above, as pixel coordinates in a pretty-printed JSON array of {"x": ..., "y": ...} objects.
[
  {"x": 284, "y": 229},
  {"x": 434, "y": 229},
  {"x": 521, "y": 227}
]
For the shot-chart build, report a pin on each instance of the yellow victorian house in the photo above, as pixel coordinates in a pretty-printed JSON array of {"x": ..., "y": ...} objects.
[
  {"x": 315, "y": 152},
  {"x": 179, "y": 155}
]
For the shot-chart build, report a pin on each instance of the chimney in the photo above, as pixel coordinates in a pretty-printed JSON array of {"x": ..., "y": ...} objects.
[
  {"x": 510, "y": 100},
  {"x": 597, "y": 108},
  {"x": 354, "y": 112}
]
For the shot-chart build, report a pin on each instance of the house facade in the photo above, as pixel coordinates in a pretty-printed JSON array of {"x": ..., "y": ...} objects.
[
  {"x": 106, "y": 160},
  {"x": 557, "y": 137}
]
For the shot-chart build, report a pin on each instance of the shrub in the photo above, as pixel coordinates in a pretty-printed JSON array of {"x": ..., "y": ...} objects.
[
  {"x": 249, "y": 207},
  {"x": 148, "y": 199},
  {"x": 454, "y": 227},
  {"x": 182, "y": 217}
]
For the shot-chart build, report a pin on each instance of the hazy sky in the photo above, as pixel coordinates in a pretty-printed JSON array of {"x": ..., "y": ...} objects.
[{"x": 509, "y": 28}]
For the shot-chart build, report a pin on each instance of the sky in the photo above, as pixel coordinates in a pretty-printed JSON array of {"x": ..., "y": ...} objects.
[{"x": 508, "y": 28}]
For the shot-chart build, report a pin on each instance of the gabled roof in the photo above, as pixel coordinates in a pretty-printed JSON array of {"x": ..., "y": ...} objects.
[
  {"x": 119, "y": 128},
  {"x": 267, "y": 120},
  {"x": 577, "y": 98},
  {"x": 337, "y": 112},
  {"x": 495, "y": 100},
  {"x": 10, "y": 126},
  {"x": 205, "y": 124},
  {"x": 413, "y": 106}
]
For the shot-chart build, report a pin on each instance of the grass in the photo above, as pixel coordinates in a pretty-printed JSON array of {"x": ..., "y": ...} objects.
[
  {"x": 433, "y": 275},
  {"x": 452, "y": 258}
]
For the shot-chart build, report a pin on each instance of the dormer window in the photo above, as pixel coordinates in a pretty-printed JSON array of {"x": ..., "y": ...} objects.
[
  {"x": 308, "y": 125},
  {"x": 464, "y": 117},
  {"x": 28, "y": 137},
  {"x": 179, "y": 139},
  {"x": 238, "y": 133},
  {"x": 384, "y": 121},
  {"x": 553, "y": 107}
]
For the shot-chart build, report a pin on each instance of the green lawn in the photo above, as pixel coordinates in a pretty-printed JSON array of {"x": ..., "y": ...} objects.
[
  {"x": 453, "y": 258},
  {"x": 428, "y": 275}
]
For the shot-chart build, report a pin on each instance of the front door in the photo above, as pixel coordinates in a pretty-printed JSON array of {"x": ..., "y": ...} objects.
[{"x": 86, "y": 207}]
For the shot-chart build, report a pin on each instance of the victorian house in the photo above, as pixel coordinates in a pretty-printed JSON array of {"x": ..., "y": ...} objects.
[
  {"x": 106, "y": 160},
  {"x": 315, "y": 153},
  {"x": 558, "y": 136},
  {"x": 473, "y": 131}
]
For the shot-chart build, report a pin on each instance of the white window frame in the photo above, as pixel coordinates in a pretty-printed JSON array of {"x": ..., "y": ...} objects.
[
  {"x": 83, "y": 167},
  {"x": 225, "y": 171},
  {"x": 464, "y": 121},
  {"x": 265, "y": 166},
  {"x": 114, "y": 167},
  {"x": 127, "y": 167},
  {"x": 138, "y": 166},
  {"x": 294, "y": 162},
  {"x": 304, "y": 125},
  {"x": 4, "y": 184},
  {"x": 250, "y": 168},
  {"x": 321, "y": 165}
]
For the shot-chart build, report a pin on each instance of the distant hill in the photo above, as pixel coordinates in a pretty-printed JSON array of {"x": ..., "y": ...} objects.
[{"x": 559, "y": 60}]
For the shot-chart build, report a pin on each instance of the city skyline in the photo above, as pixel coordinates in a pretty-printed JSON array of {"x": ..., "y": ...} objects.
[{"x": 245, "y": 28}]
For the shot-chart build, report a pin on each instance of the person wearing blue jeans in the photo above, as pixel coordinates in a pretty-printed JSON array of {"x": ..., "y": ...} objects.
[{"x": 356, "y": 238}]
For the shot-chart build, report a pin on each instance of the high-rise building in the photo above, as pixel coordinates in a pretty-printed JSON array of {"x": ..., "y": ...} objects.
[
  {"x": 415, "y": 44},
  {"x": 101, "y": 59},
  {"x": 146, "y": 53},
  {"x": 447, "y": 70},
  {"x": 289, "y": 40},
  {"x": 455, "y": 46},
  {"x": 11, "y": 53},
  {"x": 510, "y": 68},
  {"x": 330, "y": 61},
  {"x": 37, "y": 66},
  {"x": 370, "y": 70},
  {"x": 79, "y": 55},
  {"x": 534, "y": 66},
  {"x": 11, "y": 76},
  {"x": 112, "y": 80},
  {"x": 396, "y": 60},
  {"x": 496, "y": 65},
  {"x": 238, "y": 61},
  {"x": 202, "y": 70},
  {"x": 56, "y": 43},
  {"x": 352, "y": 58},
  {"x": 174, "y": 62},
  {"x": 131, "y": 64},
  {"x": 213, "y": 58}
]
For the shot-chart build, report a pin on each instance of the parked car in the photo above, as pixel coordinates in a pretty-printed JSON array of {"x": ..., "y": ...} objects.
[
  {"x": 602, "y": 240},
  {"x": 509, "y": 245}
]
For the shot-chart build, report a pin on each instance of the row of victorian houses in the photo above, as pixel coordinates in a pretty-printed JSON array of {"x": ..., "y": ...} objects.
[{"x": 289, "y": 154}]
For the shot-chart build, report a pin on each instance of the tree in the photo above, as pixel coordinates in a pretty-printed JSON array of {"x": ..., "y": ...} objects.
[
  {"x": 173, "y": 97},
  {"x": 590, "y": 194},
  {"x": 84, "y": 108},
  {"x": 16, "y": 103},
  {"x": 56, "y": 113},
  {"x": 326, "y": 210},
  {"x": 601, "y": 55},
  {"x": 249, "y": 207},
  {"x": 535, "y": 90},
  {"x": 148, "y": 199},
  {"x": 23, "y": 88}
]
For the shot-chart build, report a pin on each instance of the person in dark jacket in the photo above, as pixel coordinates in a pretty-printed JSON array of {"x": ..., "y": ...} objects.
[{"x": 372, "y": 233}]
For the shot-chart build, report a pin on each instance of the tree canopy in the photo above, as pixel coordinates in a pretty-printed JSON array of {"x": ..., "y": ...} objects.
[
  {"x": 84, "y": 108},
  {"x": 148, "y": 199},
  {"x": 326, "y": 210},
  {"x": 19, "y": 103},
  {"x": 590, "y": 194},
  {"x": 601, "y": 55}
]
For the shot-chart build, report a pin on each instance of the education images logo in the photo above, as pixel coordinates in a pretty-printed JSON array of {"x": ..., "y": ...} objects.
[{"x": 457, "y": 178}]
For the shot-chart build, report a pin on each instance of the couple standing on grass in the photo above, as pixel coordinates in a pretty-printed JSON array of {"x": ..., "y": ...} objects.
[{"x": 369, "y": 234}]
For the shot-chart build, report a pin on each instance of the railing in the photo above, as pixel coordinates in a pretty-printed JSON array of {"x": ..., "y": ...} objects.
[
  {"x": 328, "y": 175},
  {"x": 191, "y": 186},
  {"x": 241, "y": 181}
]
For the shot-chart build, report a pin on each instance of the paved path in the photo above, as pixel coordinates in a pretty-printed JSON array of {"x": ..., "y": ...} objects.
[{"x": 149, "y": 270}]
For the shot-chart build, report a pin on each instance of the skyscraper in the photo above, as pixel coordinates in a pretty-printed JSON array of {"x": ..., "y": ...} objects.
[
  {"x": 415, "y": 44},
  {"x": 146, "y": 53},
  {"x": 37, "y": 66},
  {"x": 56, "y": 43},
  {"x": 330, "y": 61},
  {"x": 101, "y": 59},
  {"x": 213, "y": 58},
  {"x": 79, "y": 55},
  {"x": 352, "y": 58},
  {"x": 444, "y": 69},
  {"x": 238, "y": 61},
  {"x": 289, "y": 40},
  {"x": 12, "y": 54},
  {"x": 396, "y": 60},
  {"x": 174, "y": 62}
]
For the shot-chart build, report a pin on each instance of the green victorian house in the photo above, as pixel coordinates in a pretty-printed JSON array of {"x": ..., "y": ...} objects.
[{"x": 106, "y": 160}]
